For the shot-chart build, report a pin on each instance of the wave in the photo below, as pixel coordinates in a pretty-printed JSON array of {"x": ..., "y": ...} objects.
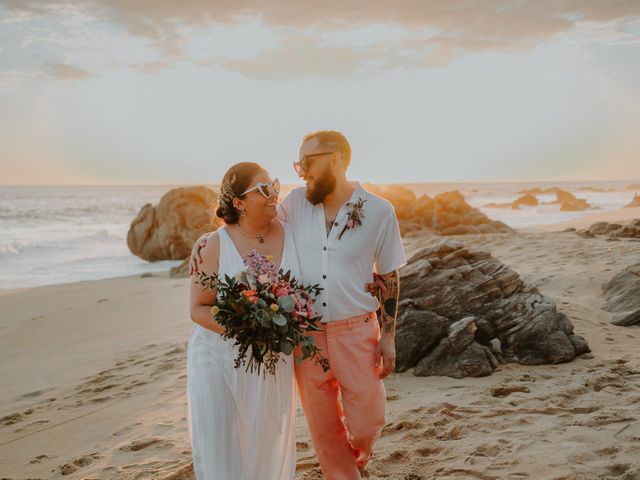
[
  {"x": 11, "y": 248},
  {"x": 93, "y": 239}
]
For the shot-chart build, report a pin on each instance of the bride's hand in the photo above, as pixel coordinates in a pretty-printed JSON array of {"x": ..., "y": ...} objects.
[{"x": 196, "y": 258}]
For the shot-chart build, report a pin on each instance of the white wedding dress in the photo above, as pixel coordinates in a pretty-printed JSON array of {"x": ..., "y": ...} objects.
[{"x": 242, "y": 425}]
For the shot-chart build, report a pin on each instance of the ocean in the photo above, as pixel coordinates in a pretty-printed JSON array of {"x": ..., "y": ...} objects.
[{"x": 52, "y": 235}]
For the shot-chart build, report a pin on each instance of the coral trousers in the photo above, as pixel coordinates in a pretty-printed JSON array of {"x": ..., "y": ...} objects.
[{"x": 344, "y": 433}]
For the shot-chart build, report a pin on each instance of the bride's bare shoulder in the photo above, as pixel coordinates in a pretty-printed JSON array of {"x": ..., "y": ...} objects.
[{"x": 211, "y": 251}]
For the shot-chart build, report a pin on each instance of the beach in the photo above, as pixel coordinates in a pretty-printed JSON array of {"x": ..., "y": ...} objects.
[{"x": 93, "y": 381}]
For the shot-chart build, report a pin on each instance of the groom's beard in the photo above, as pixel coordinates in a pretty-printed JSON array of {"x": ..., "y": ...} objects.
[{"x": 323, "y": 186}]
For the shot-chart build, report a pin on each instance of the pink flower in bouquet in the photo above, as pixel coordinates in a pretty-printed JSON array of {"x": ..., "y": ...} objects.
[
  {"x": 350, "y": 223},
  {"x": 282, "y": 291},
  {"x": 264, "y": 278}
]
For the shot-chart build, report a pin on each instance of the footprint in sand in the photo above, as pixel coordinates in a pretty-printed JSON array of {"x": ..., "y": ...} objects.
[
  {"x": 39, "y": 458},
  {"x": 142, "y": 444},
  {"x": 428, "y": 451},
  {"x": 78, "y": 463}
]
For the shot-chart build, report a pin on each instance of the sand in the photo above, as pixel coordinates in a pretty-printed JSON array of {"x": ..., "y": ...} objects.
[{"x": 93, "y": 384}]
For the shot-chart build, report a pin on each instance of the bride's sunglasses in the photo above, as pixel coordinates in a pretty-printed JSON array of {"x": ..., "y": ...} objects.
[{"x": 267, "y": 189}]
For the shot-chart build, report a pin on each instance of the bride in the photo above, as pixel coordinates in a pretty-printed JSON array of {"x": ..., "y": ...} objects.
[{"x": 242, "y": 425}]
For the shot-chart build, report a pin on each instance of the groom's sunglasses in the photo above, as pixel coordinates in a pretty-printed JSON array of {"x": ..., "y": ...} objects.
[
  {"x": 267, "y": 189},
  {"x": 302, "y": 165}
]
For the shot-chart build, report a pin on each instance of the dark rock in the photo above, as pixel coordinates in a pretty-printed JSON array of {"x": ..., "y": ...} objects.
[
  {"x": 613, "y": 230},
  {"x": 462, "y": 312},
  {"x": 458, "y": 355},
  {"x": 416, "y": 347},
  {"x": 622, "y": 296}
]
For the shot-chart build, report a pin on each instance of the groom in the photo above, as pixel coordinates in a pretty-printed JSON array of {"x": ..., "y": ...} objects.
[{"x": 342, "y": 234}]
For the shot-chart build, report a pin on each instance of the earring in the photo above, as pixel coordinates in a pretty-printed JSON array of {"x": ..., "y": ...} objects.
[{"x": 243, "y": 213}]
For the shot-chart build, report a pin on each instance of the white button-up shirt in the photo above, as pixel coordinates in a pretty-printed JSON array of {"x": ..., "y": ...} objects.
[{"x": 343, "y": 266}]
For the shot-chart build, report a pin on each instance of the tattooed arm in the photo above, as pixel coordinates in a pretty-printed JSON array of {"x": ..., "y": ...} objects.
[{"x": 388, "y": 296}]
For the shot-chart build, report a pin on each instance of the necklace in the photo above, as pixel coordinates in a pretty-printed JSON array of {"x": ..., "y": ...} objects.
[{"x": 259, "y": 236}]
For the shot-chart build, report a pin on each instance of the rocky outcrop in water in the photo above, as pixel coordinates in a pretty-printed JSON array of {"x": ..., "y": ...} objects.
[
  {"x": 635, "y": 202},
  {"x": 445, "y": 214},
  {"x": 569, "y": 203},
  {"x": 528, "y": 200},
  {"x": 168, "y": 230},
  {"x": 463, "y": 312}
]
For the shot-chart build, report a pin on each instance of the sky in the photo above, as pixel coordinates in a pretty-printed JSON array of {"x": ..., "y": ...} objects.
[{"x": 139, "y": 92}]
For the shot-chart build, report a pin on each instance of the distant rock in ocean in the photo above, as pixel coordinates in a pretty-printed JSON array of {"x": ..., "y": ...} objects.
[
  {"x": 567, "y": 200},
  {"x": 528, "y": 200},
  {"x": 569, "y": 203},
  {"x": 635, "y": 202},
  {"x": 169, "y": 230},
  {"x": 445, "y": 214},
  {"x": 622, "y": 295},
  {"x": 463, "y": 312}
]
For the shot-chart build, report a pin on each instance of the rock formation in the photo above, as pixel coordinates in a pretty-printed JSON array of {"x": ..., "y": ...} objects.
[
  {"x": 569, "y": 203},
  {"x": 446, "y": 214},
  {"x": 463, "y": 312},
  {"x": 168, "y": 230},
  {"x": 613, "y": 230},
  {"x": 622, "y": 295},
  {"x": 528, "y": 200},
  {"x": 635, "y": 202}
]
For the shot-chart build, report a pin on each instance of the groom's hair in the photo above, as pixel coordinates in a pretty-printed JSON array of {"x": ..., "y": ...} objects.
[{"x": 334, "y": 140}]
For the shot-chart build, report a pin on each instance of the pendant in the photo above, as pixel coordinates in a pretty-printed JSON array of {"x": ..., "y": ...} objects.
[{"x": 261, "y": 238}]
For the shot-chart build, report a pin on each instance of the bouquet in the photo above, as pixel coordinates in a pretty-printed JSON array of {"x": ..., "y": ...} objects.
[{"x": 266, "y": 311}]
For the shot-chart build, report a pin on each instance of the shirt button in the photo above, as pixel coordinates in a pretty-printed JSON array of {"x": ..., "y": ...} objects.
[
  {"x": 335, "y": 224},
  {"x": 324, "y": 276},
  {"x": 324, "y": 304},
  {"x": 324, "y": 248}
]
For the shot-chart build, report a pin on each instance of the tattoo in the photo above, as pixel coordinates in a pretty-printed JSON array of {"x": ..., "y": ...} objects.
[{"x": 389, "y": 302}]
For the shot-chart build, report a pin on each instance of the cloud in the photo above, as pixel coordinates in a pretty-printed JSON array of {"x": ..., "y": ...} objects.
[
  {"x": 437, "y": 32},
  {"x": 65, "y": 72}
]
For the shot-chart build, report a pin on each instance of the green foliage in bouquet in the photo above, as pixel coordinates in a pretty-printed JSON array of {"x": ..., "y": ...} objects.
[{"x": 267, "y": 312}]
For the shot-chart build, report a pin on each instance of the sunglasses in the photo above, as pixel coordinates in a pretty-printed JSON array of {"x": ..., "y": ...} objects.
[
  {"x": 302, "y": 165},
  {"x": 267, "y": 189}
]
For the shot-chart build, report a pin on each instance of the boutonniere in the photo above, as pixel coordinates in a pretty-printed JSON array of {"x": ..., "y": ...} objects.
[{"x": 354, "y": 216}]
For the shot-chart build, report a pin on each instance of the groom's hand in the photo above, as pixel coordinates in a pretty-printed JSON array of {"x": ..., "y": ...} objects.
[
  {"x": 386, "y": 351},
  {"x": 377, "y": 286},
  {"x": 196, "y": 258}
]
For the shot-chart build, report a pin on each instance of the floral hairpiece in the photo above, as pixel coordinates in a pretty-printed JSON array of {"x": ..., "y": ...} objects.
[{"x": 226, "y": 194}]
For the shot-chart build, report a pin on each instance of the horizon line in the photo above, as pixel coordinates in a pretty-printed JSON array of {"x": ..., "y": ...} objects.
[{"x": 201, "y": 184}]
